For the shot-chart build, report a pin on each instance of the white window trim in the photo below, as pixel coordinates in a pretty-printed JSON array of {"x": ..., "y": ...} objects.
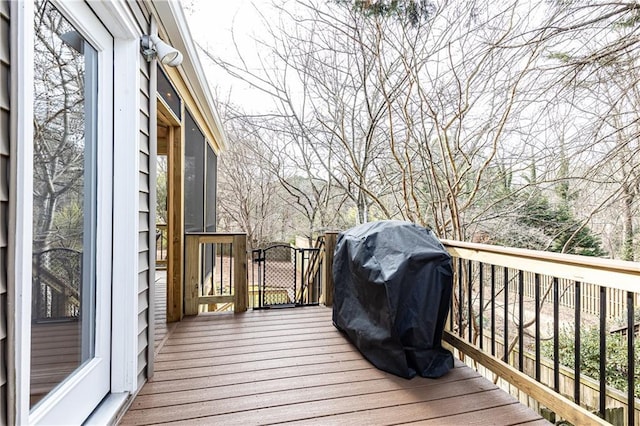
[
  {"x": 21, "y": 232},
  {"x": 117, "y": 18},
  {"x": 124, "y": 373}
]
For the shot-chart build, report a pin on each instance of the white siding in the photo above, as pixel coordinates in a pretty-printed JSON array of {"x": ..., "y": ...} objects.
[
  {"x": 146, "y": 229},
  {"x": 4, "y": 197}
]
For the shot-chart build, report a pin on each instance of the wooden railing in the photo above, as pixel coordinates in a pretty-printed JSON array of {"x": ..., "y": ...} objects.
[
  {"x": 310, "y": 265},
  {"x": 497, "y": 323},
  {"x": 491, "y": 314},
  {"x": 162, "y": 245},
  {"x": 495, "y": 283},
  {"x": 57, "y": 274},
  {"x": 201, "y": 289}
]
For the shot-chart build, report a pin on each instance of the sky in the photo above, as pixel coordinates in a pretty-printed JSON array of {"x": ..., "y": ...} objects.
[{"x": 211, "y": 23}]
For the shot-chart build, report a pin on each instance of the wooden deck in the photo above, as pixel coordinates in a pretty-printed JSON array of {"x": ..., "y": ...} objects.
[
  {"x": 292, "y": 365},
  {"x": 161, "y": 328}
]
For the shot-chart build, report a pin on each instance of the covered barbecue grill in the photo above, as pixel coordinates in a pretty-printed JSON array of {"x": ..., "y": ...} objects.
[{"x": 393, "y": 283}]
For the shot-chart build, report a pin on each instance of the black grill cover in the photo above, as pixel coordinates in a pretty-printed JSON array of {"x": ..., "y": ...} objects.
[{"x": 393, "y": 283}]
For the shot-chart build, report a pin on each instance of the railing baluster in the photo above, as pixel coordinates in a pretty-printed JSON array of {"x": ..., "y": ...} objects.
[
  {"x": 556, "y": 334},
  {"x": 631, "y": 364},
  {"x": 493, "y": 310},
  {"x": 260, "y": 280},
  {"x": 302, "y": 280},
  {"x": 263, "y": 279},
  {"x": 215, "y": 246},
  {"x": 520, "y": 320},
  {"x": 232, "y": 259},
  {"x": 536, "y": 282},
  {"x": 295, "y": 277},
  {"x": 460, "y": 298},
  {"x": 576, "y": 355},
  {"x": 603, "y": 351},
  {"x": 506, "y": 314},
  {"x": 451, "y": 313},
  {"x": 481, "y": 299},
  {"x": 470, "y": 298}
]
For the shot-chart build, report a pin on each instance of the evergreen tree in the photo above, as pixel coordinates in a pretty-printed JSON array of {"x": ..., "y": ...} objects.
[{"x": 560, "y": 227}]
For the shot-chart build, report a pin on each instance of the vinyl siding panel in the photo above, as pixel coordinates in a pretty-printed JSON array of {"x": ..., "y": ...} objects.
[
  {"x": 143, "y": 260},
  {"x": 143, "y": 165},
  {"x": 144, "y": 95},
  {"x": 144, "y": 268},
  {"x": 142, "y": 371},
  {"x": 145, "y": 276},
  {"x": 142, "y": 16},
  {"x": 140, "y": 12},
  {"x": 143, "y": 241},
  {"x": 5, "y": 84},
  {"x": 144, "y": 253},
  {"x": 142, "y": 302},
  {"x": 144, "y": 79},
  {"x": 144, "y": 129},
  {"x": 142, "y": 323},
  {"x": 144, "y": 181},
  {"x": 4, "y": 128}
]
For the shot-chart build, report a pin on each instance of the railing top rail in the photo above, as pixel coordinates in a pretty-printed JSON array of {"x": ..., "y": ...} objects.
[
  {"x": 206, "y": 234},
  {"x": 212, "y": 237},
  {"x": 619, "y": 274}
]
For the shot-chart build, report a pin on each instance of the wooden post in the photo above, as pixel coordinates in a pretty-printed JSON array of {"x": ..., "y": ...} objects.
[
  {"x": 175, "y": 228},
  {"x": 240, "y": 291},
  {"x": 192, "y": 275},
  {"x": 330, "y": 239}
]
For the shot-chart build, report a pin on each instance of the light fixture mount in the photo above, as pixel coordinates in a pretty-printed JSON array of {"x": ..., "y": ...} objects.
[{"x": 152, "y": 46}]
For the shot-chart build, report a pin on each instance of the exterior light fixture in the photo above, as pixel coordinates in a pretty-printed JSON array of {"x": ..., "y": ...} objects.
[{"x": 152, "y": 46}]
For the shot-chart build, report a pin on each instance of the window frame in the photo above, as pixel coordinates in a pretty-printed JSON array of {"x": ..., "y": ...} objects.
[{"x": 125, "y": 153}]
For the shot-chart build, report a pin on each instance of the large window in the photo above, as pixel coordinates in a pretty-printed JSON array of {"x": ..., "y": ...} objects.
[{"x": 70, "y": 127}]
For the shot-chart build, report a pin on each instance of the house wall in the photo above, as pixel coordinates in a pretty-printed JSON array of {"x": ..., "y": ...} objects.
[
  {"x": 146, "y": 213},
  {"x": 4, "y": 197},
  {"x": 145, "y": 278}
]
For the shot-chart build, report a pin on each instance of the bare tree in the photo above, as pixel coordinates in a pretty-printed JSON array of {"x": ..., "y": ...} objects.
[
  {"x": 59, "y": 134},
  {"x": 441, "y": 116},
  {"x": 246, "y": 189}
]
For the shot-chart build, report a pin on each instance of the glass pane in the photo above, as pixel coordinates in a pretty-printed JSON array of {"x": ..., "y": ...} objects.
[
  {"x": 168, "y": 93},
  {"x": 64, "y": 201}
]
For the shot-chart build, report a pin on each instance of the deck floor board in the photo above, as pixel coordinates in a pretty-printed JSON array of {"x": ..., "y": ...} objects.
[{"x": 278, "y": 366}]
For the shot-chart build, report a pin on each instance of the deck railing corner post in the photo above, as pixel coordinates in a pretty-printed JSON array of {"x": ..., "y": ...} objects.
[
  {"x": 240, "y": 282},
  {"x": 330, "y": 239},
  {"x": 192, "y": 274}
]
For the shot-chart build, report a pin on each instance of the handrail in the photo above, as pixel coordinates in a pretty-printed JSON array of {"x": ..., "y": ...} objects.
[{"x": 613, "y": 273}]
